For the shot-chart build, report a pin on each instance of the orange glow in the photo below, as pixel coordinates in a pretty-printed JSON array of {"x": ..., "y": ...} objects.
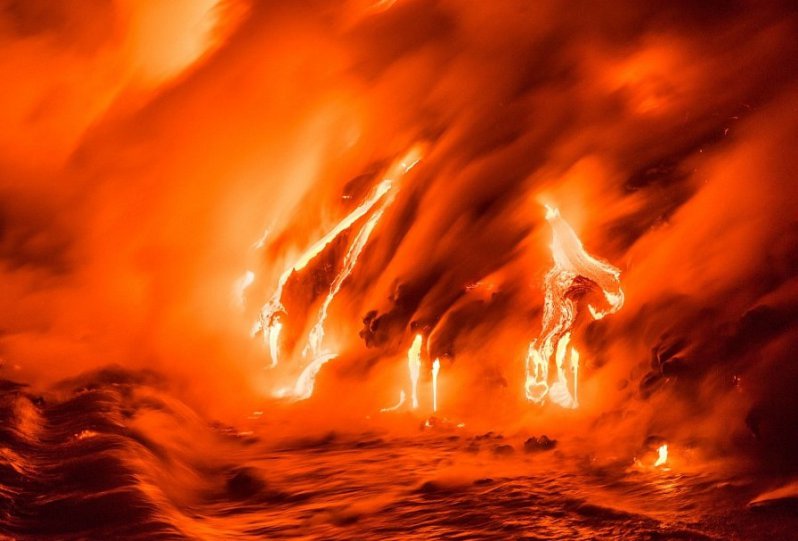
[
  {"x": 241, "y": 287},
  {"x": 662, "y": 455},
  {"x": 168, "y": 36},
  {"x": 398, "y": 269}
]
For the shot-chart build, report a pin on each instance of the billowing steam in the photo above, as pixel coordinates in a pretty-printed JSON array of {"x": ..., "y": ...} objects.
[{"x": 147, "y": 146}]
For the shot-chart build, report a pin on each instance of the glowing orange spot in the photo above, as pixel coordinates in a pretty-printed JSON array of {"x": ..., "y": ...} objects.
[{"x": 662, "y": 456}]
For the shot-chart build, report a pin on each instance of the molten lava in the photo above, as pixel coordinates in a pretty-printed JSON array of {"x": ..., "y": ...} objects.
[
  {"x": 571, "y": 262},
  {"x": 176, "y": 174},
  {"x": 270, "y": 322},
  {"x": 436, "y": 367},
  {"x": 414, "y": 367},
  {"x": 662, "y": 455}
]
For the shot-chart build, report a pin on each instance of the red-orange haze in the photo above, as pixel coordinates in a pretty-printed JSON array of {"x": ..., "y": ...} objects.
[{"x": 153, "y": 153}]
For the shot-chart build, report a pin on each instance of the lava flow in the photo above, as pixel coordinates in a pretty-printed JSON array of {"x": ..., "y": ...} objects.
[
  {"x": 281, "y": 270},
  {"x": 572, "y": 267},
  {"x": 270, "y": 320},
  {"x": 436, "y": 367},
  {"x": 414, "y": 367}
]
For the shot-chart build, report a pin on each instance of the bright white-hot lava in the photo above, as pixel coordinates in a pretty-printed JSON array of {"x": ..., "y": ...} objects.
[
  {"x": 414, "y": 367},
  {"x": 269, "y": 321},
  {"x": 662, "y": 455},
  {"x": 571, "y": 264},
  {"x": 436, "y": 367},
  {"x": 303, "y": 389},
  {"x": 316, "y": 336}
]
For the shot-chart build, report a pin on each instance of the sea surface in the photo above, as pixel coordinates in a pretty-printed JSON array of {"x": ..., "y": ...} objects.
[{"x": 116, "y": 457}]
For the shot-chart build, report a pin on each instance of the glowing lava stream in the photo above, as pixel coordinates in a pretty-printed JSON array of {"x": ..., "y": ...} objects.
[
  {"x": 436, "y": 367},
  {"x": 303, "y": 388},
  {"x": 269, "y": 321},
  {"x": 316, "y": 335},
  {"x": 304, "y": 385},
  {"x": 414, "y": 366},
  {"x": 397, "y": 405},
  {"x": 571, "y": 262}
]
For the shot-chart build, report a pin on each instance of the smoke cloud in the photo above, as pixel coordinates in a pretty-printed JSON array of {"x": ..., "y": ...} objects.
[{"x": 149, "y": 146}]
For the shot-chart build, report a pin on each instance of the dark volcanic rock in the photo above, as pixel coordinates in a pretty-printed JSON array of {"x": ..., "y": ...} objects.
[
  {"x": 503, "y": 450},
  {"x": 539, "y": 444},
  {"x": 244, "y": 483}
]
